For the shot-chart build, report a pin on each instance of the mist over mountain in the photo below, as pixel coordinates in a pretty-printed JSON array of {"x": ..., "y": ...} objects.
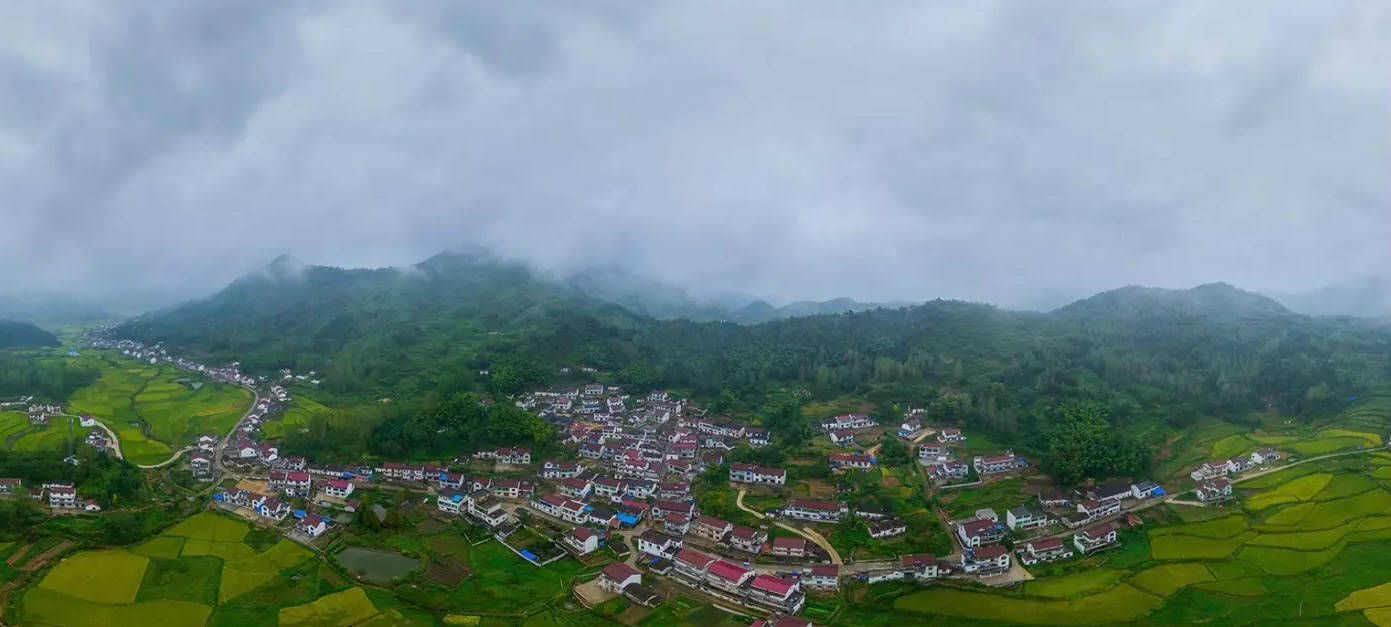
[
  {"x": 1364, "y": 298},
  {"x": 468, "y": 321},
  {"x": 14, "y": 333}
]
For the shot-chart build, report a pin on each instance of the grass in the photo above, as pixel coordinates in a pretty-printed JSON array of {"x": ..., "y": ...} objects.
[
  {"x": 1224, "y": 527},
  {"x": 1307, "y": 540},
  {"x": 160, "y": 546},
  {"x": 1294, "y": 491},
  {"x": 1249, "y": 587},
  {"x": 133, "y": 397},
  {"x": 210, "y": 527},
  {"x": 242, "y": 576},
  {"x": 1074, "y": 585},
  {"x": 340, "y": 609},
  {"x": 293, "y": 418},
  {"x": 1379, "y": 596},
  {"x": 1276, "y": 561},
  {"x": 1329, "y": 514},
  {"x": 176, "y": 413},
  {"x": 1166, "y": 579},
  {"x": 997, "y": 495},
  {"x": 1179, "y": 547},
  {"x": 1119, "y": 604},
  {"x": 47, "y": 607},
  {"x": 1343, "y": 486},
  {"x": 187, "y": 579},
  {"x": 110, "y": 576}
]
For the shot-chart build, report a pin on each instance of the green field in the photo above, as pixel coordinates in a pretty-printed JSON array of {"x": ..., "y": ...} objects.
[
  {"x": 1121, "y": 603},
  {"x": 1078, "y": 584},
  {"x": 161, "y": 582},
  {"x": 151, "y": 411},
  {"x": 339, "y": 609}
]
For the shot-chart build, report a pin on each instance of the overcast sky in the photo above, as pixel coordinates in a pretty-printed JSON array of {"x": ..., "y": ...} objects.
[{"x": 999, "y": 151}]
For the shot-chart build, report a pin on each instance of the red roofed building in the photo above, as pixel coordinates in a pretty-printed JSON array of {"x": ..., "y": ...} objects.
[
  {"x": 784, "y": 595},
  {"x": 692, "y": 564},
  {"x": 727, "y": 576},
  {"x": 1043, "y": 550},
  {"x": 789, "y": 547}
]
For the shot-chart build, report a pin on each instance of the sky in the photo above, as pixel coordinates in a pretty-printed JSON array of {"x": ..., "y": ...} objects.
[{"x": 1012, "y": 152}]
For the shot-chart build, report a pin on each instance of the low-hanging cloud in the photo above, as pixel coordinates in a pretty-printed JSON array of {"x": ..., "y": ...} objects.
[{"x": 999, "y": 151}]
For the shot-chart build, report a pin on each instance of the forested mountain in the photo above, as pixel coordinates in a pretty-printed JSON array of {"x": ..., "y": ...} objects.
[
  {"x": 14, "y": 333},
  {"x": 1146, "y": 353},
  {"x": 665, "y": 301}
]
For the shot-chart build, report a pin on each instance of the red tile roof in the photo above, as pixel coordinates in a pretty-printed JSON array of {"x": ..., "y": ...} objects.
[
  {"x": 729, "y": 571},
  {"x": 773, "y": 585}
]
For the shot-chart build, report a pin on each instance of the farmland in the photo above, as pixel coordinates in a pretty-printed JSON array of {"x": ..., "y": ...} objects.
[
  {"x": 155, "y": 409},
  {"x": 1308, "y": 542},
  {"x": 188, "y": 575}
]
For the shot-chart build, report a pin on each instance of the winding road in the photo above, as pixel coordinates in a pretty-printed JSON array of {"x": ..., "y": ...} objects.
[{"x": 805, "y": 532}]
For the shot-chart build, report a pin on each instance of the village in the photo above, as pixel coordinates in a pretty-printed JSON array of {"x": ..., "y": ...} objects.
[{"x": 629, "y": 485}]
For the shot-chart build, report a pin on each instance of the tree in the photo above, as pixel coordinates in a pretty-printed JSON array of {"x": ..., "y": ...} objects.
[
  {"x": 1083, "y": 444},
  {"x": 894, "y": 452}
]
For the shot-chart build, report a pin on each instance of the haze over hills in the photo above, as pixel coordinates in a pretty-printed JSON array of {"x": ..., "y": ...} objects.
[
  {"x": 666, "y": 301},
  {"x": 1365, "y": 298},
  {"x": 14, "y": 333},
  {"x": 437, "y": 324}
]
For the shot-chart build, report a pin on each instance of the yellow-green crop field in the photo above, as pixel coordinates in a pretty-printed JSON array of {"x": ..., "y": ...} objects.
[{"x": 154, "y": 409}]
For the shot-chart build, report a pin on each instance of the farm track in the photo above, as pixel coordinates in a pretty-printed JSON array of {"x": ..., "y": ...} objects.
[{"x": 41, "y": 559}]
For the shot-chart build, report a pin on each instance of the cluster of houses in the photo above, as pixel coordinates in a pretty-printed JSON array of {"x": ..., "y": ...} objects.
[
  {"x": 158, "y": 353},
  {"x": 728, "y": 580},
  {"x": 1211, "y": 476},
  {"x": 58, "y": 495},
  {"x": 40, "y": 413},
  {"x": 944, "y": 468},
  {"x": 982, "y": 553}
]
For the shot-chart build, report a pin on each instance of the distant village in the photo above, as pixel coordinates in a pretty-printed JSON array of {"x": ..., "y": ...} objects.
[{"x": 626, "y": 486}]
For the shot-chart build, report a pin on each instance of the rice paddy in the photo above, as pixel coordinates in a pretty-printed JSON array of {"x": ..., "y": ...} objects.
[
  {"x": 181, "y": 578},
  {"x": 154, "y": 410},
  {"x": 1308, "y": 542}
]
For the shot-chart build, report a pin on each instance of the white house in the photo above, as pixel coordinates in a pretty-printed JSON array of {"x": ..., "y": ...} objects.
[
  {"x": 815, "y": 511},
  {"x": 1043, "y": 550},
  {"x": 617, "y": 576},
  {"x": 749, "y": 473},
  {"x": 336, "y": 488},
  {"x": 951, "y": 435},
  {"x": 1024, "y": 518},
  {"x": 658, "y": 544},
  {"x": 1209, "y": 470},
  {"x": 581, "y": 540},
  {"x": 1096, "y": 539},
  {"x": 313, "y": 525}
]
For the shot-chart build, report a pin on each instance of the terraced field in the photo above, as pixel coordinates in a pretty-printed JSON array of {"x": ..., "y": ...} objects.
[
  {"x": 1307, "y": 542},
  {"x": 156, "y": 410},
  {"x": 197, "y": 573},
  {"x": 17, "y": 435}
]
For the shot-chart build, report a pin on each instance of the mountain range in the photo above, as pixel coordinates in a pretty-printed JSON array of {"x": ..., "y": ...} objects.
[{"x": 440, "y": 324}]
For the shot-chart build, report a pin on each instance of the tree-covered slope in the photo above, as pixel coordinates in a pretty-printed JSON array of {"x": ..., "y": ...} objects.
[
  {"x": 1160, "y": 354},
  {"x": 14, "y": 333}
]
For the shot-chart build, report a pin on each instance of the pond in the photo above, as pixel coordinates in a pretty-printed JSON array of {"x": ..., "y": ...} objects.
[{"x": 376, "y": 566}]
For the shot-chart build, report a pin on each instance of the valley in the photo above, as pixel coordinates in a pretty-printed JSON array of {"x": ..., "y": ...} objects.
[{"x": 531, "y": 492}]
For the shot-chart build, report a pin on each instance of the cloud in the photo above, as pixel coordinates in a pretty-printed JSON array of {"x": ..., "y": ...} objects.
[{"x": 1003, "y": 151}]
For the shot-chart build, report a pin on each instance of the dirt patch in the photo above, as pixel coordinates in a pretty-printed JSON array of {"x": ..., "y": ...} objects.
[
  {"x": 39, "y": 560},
  {"x": 819, "y": 489},
  {"x": 18, "y": 554},
  {"x": 633, "y": 615},
  {"x": 891, "y": 482},
  {"x": 253, "y": 485},
  {"x": 446, "y": 572},
  {"x": 430, "y": 526}
]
